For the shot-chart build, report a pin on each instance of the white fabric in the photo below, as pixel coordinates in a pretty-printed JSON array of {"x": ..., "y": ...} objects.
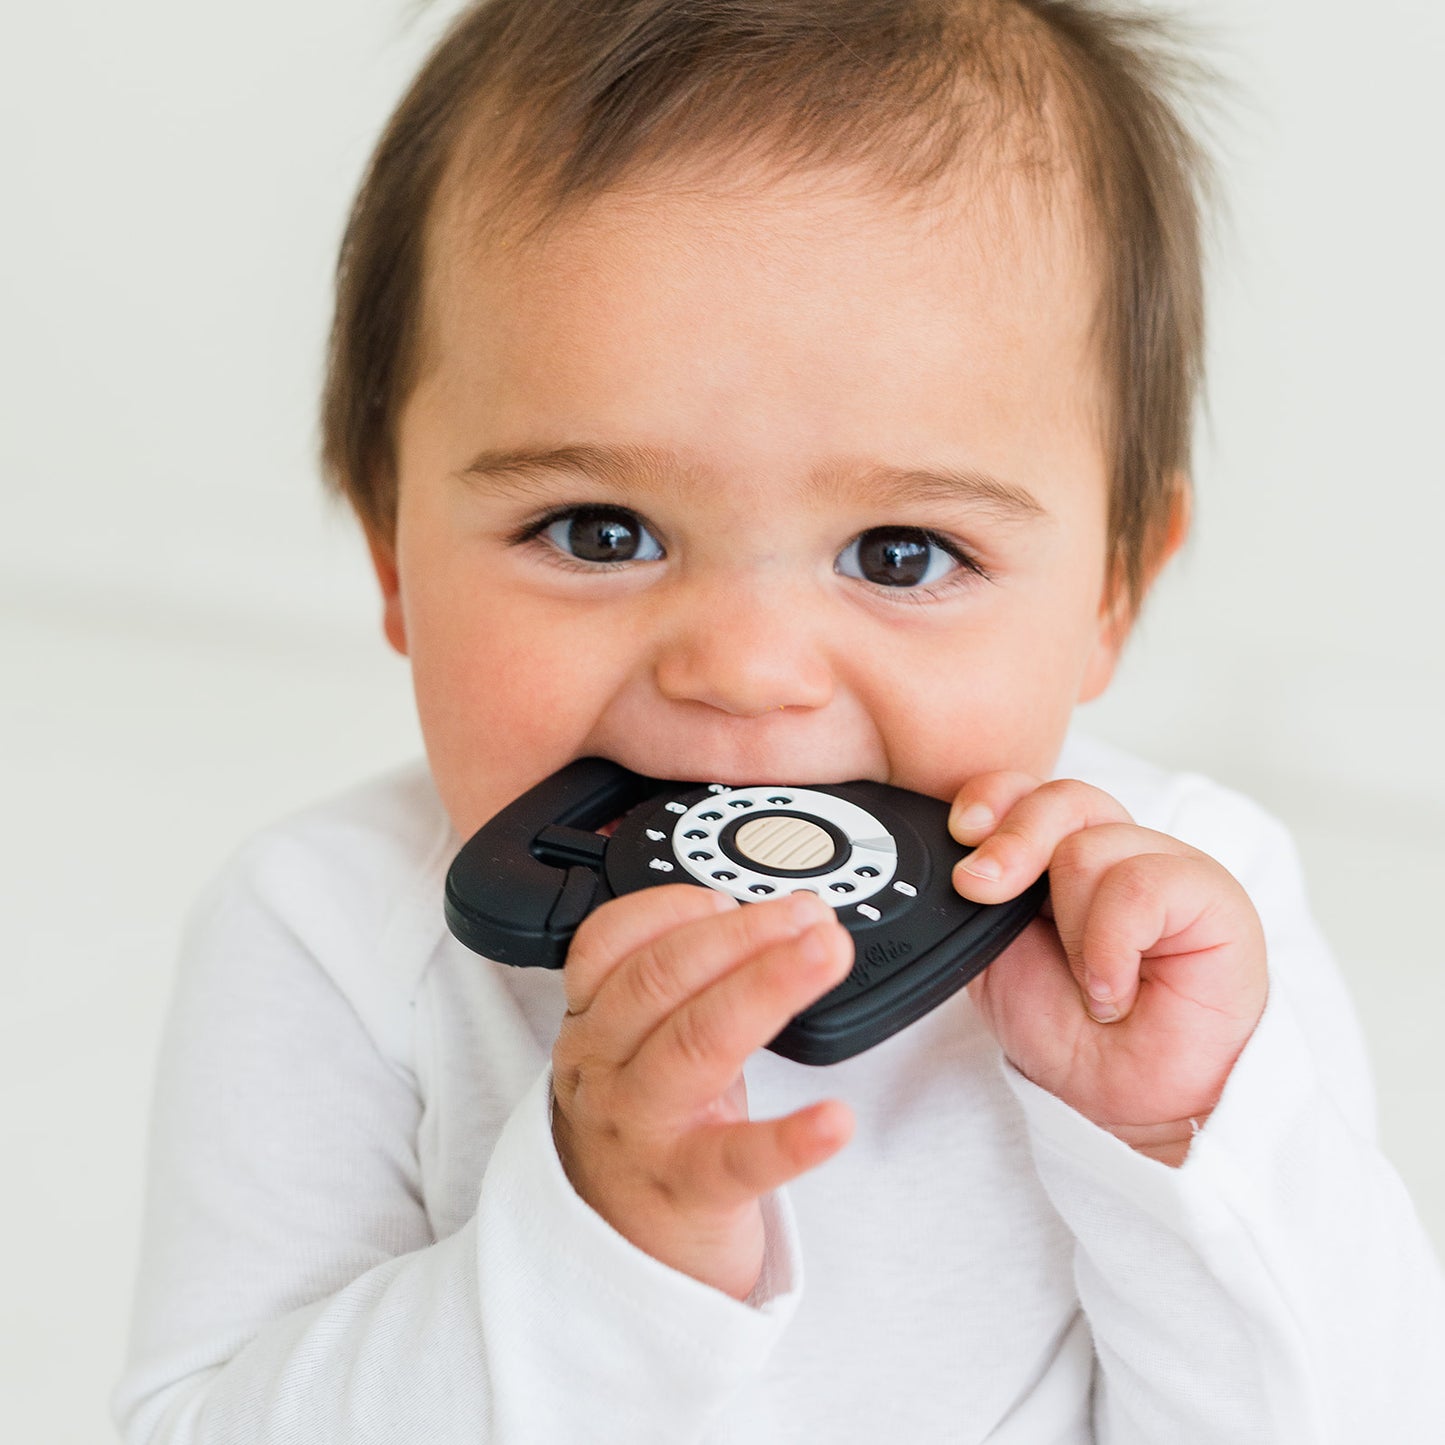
[{"x": 358, "y": 1229}]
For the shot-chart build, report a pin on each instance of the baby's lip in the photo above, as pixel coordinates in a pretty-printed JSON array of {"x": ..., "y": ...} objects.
[
  {"x": 786, "y": 780},
  {"x": 815, "y": 769},
  {"x": 758, "y": 778}
]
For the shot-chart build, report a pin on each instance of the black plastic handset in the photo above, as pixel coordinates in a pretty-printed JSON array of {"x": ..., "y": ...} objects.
[{"x": 881, "y": 856}]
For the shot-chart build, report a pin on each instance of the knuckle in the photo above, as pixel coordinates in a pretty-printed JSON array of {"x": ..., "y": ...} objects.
[
  {"x": 1075, "y": 855},
  {"x": 1007, "y": 789},
  {"x": 574, "y": 1085},
  {"x": 1081, "y": 804},
  {"x": 738, "y": 1163},
  {"x": 663, "y": 1187},
  {"x": 567, "y": 1050},
  {"x": 651, "y": 977},
  {"x": 1088, "y": 849},
  {"x": 1135, "y": 881},
  {"x": 1061, "y": 805},
  {"x": 1018, "y": 780},
  {"x": 584, "y": 965},
  {"x": 1014, "y": 845},
  {"x": 696, "y": 1036},
  {"x": 591, "y": 1109},
  {"x": 999, "y": 789},
  {"x": 1061, "y": 788},
  {"x": 1071, "y": 853}
]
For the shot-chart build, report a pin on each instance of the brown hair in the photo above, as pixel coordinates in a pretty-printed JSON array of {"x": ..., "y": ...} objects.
[{"x": 565, "y": 99}]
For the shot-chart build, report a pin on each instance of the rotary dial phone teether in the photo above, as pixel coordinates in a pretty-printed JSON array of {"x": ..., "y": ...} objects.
[{"x": 880, "y": 856}]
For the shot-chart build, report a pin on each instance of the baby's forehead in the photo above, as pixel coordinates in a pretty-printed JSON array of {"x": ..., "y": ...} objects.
[
  {"x": 1029, "y": 229},
  {"x": 812, "y": 330}
]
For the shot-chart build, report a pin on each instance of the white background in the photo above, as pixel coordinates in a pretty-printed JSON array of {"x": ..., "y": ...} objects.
[{"x": 190, "y": 645}]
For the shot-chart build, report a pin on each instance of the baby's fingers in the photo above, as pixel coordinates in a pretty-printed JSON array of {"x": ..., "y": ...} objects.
[
  {"x": 732, "y": 1164},
  {"x": 638, "y": 994},
  {"x": 984, "y": 799},
  {"x": 1020, "y": 846},
  {"x": 623, "y": 926},
  {"x": 1178, "y": 920},
  {"x": 694, "y": 1055}
]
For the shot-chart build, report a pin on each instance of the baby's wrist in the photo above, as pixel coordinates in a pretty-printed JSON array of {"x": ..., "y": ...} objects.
[
  {"x": 1168, "y": 1143},
  {"x": 723, "y": 1248}
]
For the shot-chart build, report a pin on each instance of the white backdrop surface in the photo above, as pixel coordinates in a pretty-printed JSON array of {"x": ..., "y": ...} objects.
[{"x": 189, "y": 640}]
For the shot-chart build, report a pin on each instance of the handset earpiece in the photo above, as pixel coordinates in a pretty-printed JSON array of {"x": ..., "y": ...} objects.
[{"x": 521, "y": 885}]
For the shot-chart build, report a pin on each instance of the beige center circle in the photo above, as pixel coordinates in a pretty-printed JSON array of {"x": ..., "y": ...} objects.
[{"x": 786, "y": 844}]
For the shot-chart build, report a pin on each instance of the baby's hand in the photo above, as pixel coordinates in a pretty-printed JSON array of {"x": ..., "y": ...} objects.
[
  {"x": 668, "y": 991},
  {"x": 1134, "y": 1002}
]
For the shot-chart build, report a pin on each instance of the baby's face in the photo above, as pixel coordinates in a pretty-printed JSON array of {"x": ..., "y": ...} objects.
[{"x": 796, "y": 486}]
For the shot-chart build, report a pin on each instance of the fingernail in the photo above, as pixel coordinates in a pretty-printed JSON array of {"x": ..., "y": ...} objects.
[
  {"x": 1101, "y": 1006},
  {"x": 983, "y": 866},
  {"x": 973, "y": 819}
]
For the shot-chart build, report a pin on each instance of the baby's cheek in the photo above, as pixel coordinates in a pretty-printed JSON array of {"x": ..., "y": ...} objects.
[
  {"x": 480, "y": 761},
  {"x": 937, "y": 751}
]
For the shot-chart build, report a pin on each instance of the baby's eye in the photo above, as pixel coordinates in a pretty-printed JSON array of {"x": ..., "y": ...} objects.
[
  {"x": 602, "y": 534},
  {"x": 897, "y": 557}
]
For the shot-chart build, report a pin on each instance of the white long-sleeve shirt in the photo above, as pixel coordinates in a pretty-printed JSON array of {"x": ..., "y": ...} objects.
[{"x": 358, "y": 1229}]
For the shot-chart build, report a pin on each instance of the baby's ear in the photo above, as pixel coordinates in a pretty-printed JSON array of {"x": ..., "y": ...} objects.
[
  {"x": 383, "y": 561},
  {"x": 1163, "y": 545},
  {"x": 1118, "y": 608},
  {"x": 1176, "y": 531}
]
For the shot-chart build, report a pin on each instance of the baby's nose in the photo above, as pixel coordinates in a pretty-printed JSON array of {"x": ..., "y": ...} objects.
[{"x": 746, "y": 651}]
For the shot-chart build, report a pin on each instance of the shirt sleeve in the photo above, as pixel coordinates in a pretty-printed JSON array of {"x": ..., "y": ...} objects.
[
  {"x": 291, "y": 1288},
  {"x": 1278, "y": 1286}
]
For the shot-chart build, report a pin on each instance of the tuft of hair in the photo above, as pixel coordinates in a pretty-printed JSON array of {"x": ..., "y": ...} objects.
[{"x": 557, "y": 101}]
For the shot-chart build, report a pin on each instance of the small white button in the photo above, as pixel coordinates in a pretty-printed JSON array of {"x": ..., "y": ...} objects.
[
  {"x": 661, "y": 864},
  {"x": 676, "y": 808},
  {"x": 868, "y": 911},
  {"x": 656, "y": 836},
  {"x": 907, "y": 890}
]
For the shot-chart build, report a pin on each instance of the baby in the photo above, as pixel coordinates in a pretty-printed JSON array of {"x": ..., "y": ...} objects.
[{"x": 774, "y": 391}]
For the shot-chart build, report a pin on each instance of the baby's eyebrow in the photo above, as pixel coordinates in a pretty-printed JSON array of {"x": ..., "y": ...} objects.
[
  {"x": 654, "y": 469},
  {"x": 891, "y": 485},
  {"x": 627, "y": 465}
]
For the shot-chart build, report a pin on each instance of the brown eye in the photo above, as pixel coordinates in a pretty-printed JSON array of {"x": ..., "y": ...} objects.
[
  {"x": 896, "y": 557},
  {"x": 602, "y": 534}
]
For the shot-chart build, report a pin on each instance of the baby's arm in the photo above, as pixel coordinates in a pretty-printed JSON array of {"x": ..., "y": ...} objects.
[
  {"x": 291, "y": 1285},
  {"x": 1277, "y": 1285}
]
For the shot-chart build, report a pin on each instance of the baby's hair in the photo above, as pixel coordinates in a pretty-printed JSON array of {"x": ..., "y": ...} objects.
[{"x": 543, "y": 104}]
